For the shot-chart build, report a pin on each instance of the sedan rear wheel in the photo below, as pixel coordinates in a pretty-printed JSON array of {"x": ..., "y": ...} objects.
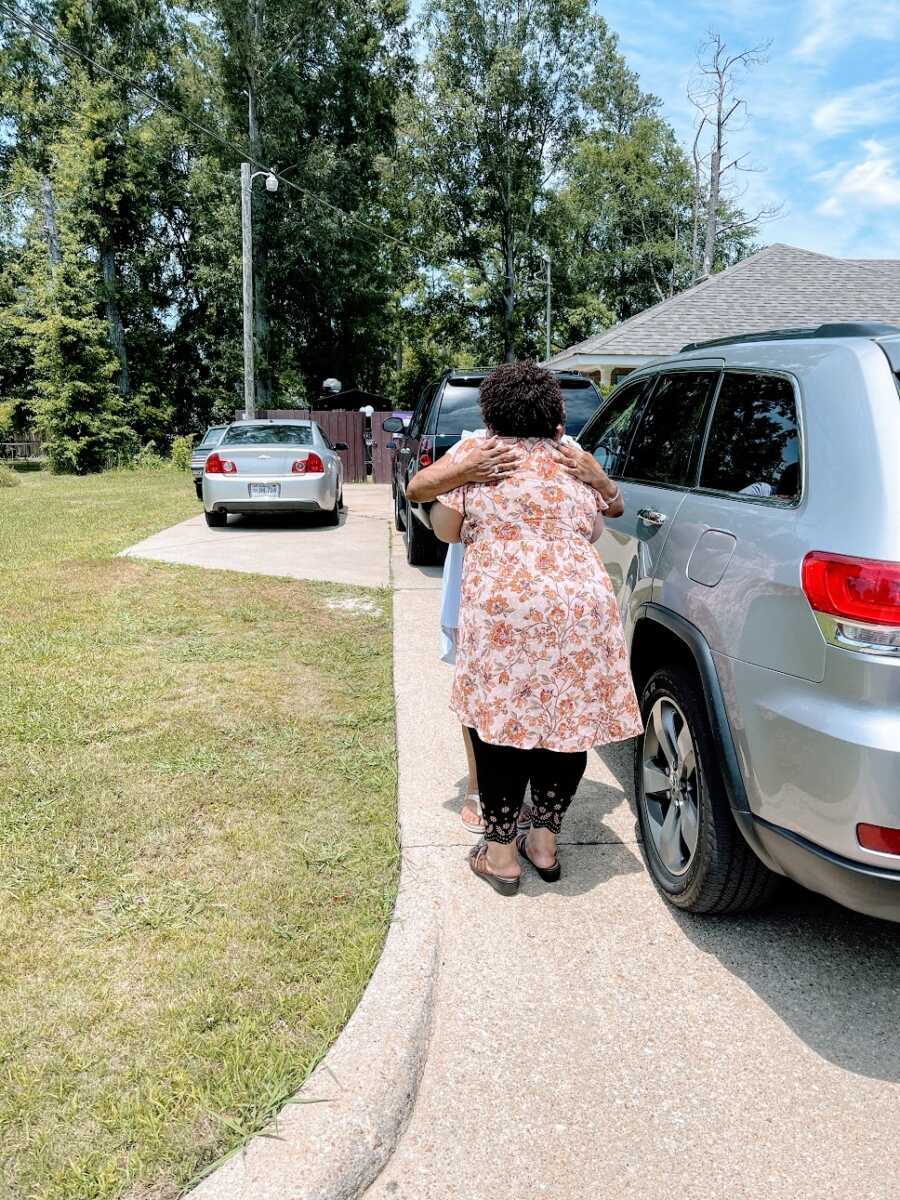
[
  {"x": 333, "y": 515},
  {"x": 215, "y": 519}
]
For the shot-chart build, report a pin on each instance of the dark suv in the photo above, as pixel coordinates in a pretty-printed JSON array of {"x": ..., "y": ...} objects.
[{"x": 444, "y": 410}]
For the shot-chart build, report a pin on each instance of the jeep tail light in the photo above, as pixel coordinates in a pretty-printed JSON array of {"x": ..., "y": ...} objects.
[
  {"x": 426, "y": 452},
  {"x": 856, "y": 600},
  {"x": 311, "y": 465},
  {"x": 215, "y": 465},
  {"x": 883, "y": 838}
]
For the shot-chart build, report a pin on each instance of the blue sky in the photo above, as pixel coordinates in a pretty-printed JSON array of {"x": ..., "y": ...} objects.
[{"x": 824, "y": 110}]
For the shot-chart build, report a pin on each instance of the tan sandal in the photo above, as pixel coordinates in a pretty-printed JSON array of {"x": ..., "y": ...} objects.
[
  {"x": 523, "y": 820},
  {"x": 505, "y": 885}
]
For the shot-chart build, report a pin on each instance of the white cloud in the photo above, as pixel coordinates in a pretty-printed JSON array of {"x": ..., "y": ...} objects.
[
  {"x": 869, "y": 105},
  {"x": 872, "y": 183},
  {"x": 831, "y": 25}
]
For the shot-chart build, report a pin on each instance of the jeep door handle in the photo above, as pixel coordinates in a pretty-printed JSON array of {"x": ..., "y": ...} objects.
[{"x": 649, "y": 516}]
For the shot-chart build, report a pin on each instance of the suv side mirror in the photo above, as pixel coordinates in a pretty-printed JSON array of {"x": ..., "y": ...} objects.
[
  {"x": 393, "y": 425},
  {"x": 340, "y": 446}
]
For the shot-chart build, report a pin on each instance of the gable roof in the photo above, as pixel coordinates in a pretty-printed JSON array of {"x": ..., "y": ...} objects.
[{"x": 780, "y": 287}]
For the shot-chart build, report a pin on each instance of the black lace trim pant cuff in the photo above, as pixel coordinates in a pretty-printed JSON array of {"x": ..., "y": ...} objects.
[{"x": 504, "y": 773}]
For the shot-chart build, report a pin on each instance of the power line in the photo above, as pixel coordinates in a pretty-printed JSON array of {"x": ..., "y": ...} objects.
[{"x": 54, "y": 40}]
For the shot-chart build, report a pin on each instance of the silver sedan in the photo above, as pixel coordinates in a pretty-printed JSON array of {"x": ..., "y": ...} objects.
[{"x": 273, "y": 466}]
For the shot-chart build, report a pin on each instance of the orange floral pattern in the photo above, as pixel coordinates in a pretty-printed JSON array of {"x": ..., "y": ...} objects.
[{"x": 541, "y": 657}]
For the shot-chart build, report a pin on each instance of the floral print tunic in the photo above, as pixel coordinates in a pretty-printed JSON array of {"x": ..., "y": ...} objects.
[{"x": 541, "y": 658}]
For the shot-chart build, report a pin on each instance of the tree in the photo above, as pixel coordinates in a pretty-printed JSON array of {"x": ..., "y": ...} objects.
[
  {"x": 504, "y": 93},
  {"x": 314, "y": 90},
  {"x": 718, "y": 105}
]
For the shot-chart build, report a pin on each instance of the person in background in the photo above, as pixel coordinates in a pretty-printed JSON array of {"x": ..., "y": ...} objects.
[
  {"x": 541, "y": 667},
  {"x": 485, "y": 459}
]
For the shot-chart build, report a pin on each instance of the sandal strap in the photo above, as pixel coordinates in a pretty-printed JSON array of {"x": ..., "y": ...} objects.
[{"x": 478, "y": 855}]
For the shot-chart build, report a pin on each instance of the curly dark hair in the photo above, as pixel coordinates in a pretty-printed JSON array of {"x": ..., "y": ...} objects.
[{"x": 521, "y": 399}]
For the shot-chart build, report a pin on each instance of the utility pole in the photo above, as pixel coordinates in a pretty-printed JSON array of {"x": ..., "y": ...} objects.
[
  {"x": 247, "y": 177},
  {"x": 546, "y": 258},
  {"x": 247, "y": 230}
]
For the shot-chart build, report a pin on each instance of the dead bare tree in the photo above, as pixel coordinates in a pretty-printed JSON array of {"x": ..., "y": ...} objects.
[{"x": 718, "y": 105}]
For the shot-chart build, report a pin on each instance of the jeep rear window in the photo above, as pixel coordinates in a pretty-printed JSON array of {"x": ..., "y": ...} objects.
[
  {"x": 461, "y": 408},
  {"x": 210, "y": 438}
]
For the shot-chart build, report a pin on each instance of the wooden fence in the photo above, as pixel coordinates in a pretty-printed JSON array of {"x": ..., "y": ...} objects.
[
  {"x": 382, "y": 457},
  {"x": 350, "y": 427},
  {"x": 28, "y": 448}
]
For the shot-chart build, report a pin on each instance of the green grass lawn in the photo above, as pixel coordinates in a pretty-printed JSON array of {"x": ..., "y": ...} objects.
[{"x": 198, "y": 853}]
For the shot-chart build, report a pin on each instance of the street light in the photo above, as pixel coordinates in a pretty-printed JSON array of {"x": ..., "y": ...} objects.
[
  {"x": 247, "y": 177},
  {"x": 546, "y": 258}
]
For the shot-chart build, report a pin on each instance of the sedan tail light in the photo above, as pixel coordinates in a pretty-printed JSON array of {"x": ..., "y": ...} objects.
[
  {"x": 215, "y": 465},
  {"x": 857, "y": 600},
  {"x": 311, "y": 465}
]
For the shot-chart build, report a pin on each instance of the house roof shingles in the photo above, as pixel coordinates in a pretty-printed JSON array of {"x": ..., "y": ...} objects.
[{"x": 781, "y": 287}]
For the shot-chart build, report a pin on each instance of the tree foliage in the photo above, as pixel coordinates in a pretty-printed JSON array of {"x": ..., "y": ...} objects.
[{"x": 428, "y": 170}]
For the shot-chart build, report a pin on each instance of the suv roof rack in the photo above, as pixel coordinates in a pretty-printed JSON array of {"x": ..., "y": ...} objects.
[
  {"x": 472, "y": 372},
  {"x": 841, "y": 329}
]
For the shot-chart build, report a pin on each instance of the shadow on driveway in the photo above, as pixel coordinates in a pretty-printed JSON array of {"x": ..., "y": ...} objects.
[{"x": 832, "y": 975}]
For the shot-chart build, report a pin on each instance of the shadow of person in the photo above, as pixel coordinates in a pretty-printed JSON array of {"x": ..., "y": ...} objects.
[{"x": 584, "y": 868}]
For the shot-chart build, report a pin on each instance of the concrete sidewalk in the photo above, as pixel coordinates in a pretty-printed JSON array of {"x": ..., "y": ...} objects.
[
  {"x": 293, "y": 546},
  {"x": 589, "y": 1042}
]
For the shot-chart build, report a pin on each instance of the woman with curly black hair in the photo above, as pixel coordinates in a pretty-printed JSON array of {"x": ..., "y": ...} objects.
[{"x": 541, "y": 667}]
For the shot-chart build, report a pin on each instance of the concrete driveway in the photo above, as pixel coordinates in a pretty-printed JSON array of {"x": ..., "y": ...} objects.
[
  {"x": 296, "y": 546},
  {"x": 588, "y": 1041}
]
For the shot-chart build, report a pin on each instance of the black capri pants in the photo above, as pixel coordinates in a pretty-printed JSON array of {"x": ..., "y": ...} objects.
[{"x": 504, "y": 773}]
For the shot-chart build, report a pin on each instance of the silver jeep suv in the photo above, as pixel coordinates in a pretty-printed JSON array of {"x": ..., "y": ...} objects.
[{"x": 757, "y": 568}]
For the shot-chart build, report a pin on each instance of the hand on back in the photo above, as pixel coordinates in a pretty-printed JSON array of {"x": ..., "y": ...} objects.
[{"x": 490, "y": 460}]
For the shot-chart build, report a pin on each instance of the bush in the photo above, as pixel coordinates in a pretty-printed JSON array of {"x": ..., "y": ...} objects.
[
  {"x": 181, "y": 452},
  {"x": 147, "y": 459},
  {"x": 8, "y": 477}
]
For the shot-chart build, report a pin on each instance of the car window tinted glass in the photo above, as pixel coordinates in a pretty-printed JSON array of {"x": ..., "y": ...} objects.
[
  {"x": 582, "y": 401},
  {"x": 209, "y": 438},
  {"x": 667, "y": 440},
  {"x": 421, "y": 410},
  {"x": 460, "y": 409},
  {"x": 754, "y": 445},
  {"x": 269, "y": 435},
  {"x": 609, "y": 436}
]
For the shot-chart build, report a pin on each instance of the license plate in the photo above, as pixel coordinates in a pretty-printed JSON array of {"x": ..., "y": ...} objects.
[{"x": 264, "y": 490}]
